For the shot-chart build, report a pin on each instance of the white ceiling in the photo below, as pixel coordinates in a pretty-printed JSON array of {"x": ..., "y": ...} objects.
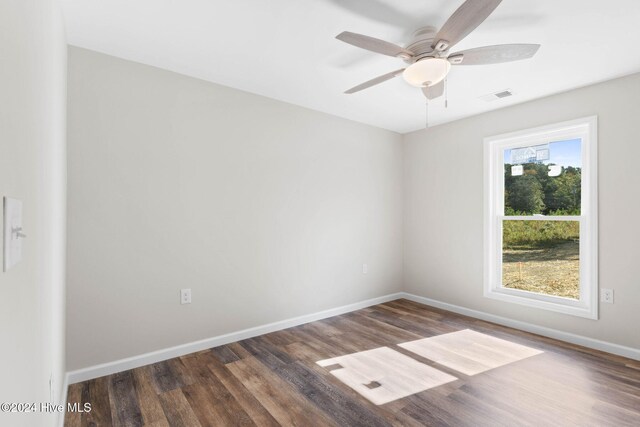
[{"x": 285, "y": 49}]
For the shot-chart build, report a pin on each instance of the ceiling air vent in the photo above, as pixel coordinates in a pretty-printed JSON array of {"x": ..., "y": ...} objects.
[
  {"x": 503, "y": 94},
  {"x": 497, "y": 95}
]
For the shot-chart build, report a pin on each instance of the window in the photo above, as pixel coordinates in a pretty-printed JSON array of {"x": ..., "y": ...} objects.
[{"x": 541, "y": 217}]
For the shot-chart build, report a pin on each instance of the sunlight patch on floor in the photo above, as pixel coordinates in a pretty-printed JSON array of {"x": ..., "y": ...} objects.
[
  {"x": 383, "y": 375},
  {"x": 468, "y": 351}
]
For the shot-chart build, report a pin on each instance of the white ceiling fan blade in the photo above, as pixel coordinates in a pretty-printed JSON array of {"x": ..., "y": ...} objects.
[
  {"x": 464, "y": 20},
  {"x": 373, "y": 82},
  {"x": 494, "y": 54},
  {"x": 435, "y": 91},
  {"x": 374, "y": 45}
]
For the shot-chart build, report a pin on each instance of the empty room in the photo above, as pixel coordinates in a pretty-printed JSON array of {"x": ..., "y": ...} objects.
[{"x": 319, "y": 213}]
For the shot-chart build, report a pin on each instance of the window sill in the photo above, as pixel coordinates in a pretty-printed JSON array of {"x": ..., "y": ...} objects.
[{"x": 530, "y": 299}]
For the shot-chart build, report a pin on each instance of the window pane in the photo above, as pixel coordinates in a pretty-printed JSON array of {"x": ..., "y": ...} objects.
[
  {"x": 542, "y": 257},
  {"x": 543, "y": 179}
]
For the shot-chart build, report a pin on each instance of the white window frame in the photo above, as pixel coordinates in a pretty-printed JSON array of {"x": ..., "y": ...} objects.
[{"x": 586, "y": 129}]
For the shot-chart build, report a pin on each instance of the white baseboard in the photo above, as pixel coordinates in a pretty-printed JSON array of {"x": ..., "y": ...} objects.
[
  {"x": 180, "y": 350},
  {"x": 620, "y": 350}
]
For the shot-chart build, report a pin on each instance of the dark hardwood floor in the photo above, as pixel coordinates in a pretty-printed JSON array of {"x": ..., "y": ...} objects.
[{"x": 274, "y": 380}]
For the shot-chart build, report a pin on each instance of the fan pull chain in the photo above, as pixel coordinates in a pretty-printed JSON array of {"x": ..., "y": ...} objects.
[
  {"x": 426, "y": 104},
  {"x": 446, "y": 92}
]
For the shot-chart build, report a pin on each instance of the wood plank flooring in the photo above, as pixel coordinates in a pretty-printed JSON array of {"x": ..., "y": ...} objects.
[{"x": 274, "y": 380}]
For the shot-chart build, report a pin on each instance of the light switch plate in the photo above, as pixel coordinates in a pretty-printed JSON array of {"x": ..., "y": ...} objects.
[{"x": 12, "y": 246}]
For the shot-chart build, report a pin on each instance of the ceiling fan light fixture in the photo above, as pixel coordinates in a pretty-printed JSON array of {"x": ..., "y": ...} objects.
[{"x": 426, "y": 72}]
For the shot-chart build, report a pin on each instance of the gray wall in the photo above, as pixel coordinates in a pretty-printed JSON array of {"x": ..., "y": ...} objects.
[
  {"x": 443, "y": 207},
  {"x": 265, "y": 210},
  {"x": 32, "y": 168}
]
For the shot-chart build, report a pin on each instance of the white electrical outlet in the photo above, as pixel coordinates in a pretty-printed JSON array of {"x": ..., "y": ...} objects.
[
  {"x": 365, "y": 268},
  {"x": 606, "y": 295},
  {"x": 185, "y": 296}
]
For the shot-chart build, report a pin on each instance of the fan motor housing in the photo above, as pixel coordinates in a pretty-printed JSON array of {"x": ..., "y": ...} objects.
[{"x": 423, "y": 38}]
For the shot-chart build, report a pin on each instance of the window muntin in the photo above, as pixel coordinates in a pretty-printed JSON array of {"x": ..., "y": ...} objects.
[{"x": 540, "y": 229}]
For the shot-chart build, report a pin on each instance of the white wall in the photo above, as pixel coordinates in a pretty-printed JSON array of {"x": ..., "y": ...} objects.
[
  {"x": 265, "y": 210},
  {"x": 443, "y": 207},
  {"x": 32, "y": 168}
]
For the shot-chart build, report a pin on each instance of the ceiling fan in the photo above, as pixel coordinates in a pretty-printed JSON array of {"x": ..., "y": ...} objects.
[{"x": 428, "y": 53}]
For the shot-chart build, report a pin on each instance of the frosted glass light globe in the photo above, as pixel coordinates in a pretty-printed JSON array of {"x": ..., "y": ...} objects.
[{"x": 426, "y": 72}]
